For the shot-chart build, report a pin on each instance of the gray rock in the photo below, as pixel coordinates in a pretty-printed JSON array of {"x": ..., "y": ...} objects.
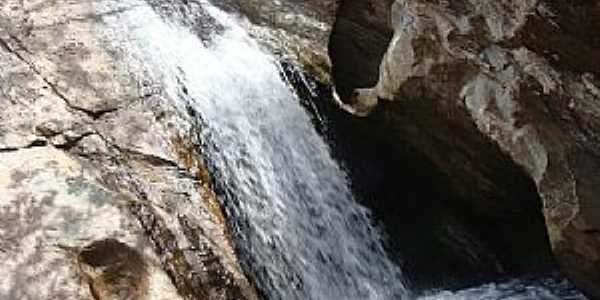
[
  {"x": 94, "y": 156},
  {"x": 522, "y": 75}
]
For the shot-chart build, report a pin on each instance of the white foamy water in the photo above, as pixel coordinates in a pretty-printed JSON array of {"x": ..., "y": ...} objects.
[
  {"x": 539, "y": 289},
  {"x": 302, "y": 233}
]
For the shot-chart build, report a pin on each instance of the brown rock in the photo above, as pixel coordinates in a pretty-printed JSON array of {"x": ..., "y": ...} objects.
[
  {"x": 485, "y": 90},
  {"x": 114, "y": 270},
  {"x": 94, "y": 155}
]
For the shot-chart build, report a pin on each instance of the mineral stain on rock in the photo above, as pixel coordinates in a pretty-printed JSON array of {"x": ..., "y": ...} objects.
[{"x": 114, "y": 270}]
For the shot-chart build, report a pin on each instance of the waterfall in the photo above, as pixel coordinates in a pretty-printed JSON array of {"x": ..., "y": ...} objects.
[
  {"x": 304, "y": 234},
  {"x": 301, "y": 232}
]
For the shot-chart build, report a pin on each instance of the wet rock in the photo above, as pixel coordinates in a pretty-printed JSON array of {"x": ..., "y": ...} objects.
[
  {"x": 190, "y": 14},
  {"x": 98, "y": 165},
  {"x": 297, "y": 31},
  {"x": 495, "y": 94}
]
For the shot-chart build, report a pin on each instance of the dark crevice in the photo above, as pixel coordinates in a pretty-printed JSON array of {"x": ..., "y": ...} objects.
[
  {"x": 74, "y": 141},
  {"x": 440, "y": 236},
  {"x": 34, "y": 144},
  {"x": 19, "y": 43},
  {"x": 592, "y": 231},
  {"x": 151, "y": 159},
  {"x": 358, "y": 41}
]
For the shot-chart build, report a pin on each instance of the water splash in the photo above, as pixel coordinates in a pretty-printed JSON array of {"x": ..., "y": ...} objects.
[
  {"x": 538, "y": 289},
  {"x": 303, "y": 234}
]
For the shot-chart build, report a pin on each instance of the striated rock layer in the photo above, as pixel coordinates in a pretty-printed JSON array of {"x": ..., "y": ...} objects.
[
  {"x": 103, "y": 192},
  {"x": 499, "y": 96}
]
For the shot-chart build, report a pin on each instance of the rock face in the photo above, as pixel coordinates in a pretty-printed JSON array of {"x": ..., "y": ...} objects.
[
  {"x": 104, "y": 193},
  {"x": 292, "y": 29},
  {"x": 501, "y": 96}
]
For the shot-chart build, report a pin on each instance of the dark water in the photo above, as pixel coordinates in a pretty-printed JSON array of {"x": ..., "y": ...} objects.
[
  {"x": 300, "y": 231},
  {"x": 516, "y": 289}
]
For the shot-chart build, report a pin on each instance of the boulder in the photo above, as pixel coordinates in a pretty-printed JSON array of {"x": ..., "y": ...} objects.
[
  {"x": 104, "y": 190},
  {"x": 502, "y": 97}
]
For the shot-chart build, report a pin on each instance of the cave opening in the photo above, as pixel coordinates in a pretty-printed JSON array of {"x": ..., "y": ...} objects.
[{"x": 442, "y": 235}]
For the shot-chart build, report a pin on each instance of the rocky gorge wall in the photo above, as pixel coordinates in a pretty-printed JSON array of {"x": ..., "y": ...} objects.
[
  {"x": 103, "y": 192},
  {"x": 502, "y": 98},
  {"x": 485, "y": 112}
]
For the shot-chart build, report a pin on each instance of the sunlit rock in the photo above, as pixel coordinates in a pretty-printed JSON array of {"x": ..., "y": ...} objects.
[{"x": 104, "y": 192}]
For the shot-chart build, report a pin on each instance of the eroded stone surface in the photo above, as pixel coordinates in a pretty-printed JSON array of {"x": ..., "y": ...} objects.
[
  {"x": 93, "y": 154},
  {"x": 52, "y": 206},
  {"x": 38, "y": 206},
  {"x": 517, "y": 73}
]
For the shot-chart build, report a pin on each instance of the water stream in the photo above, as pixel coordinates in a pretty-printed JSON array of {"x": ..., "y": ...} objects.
[
  {"x": 300, "y": 230},
  {"x": 304, "y": 235}
]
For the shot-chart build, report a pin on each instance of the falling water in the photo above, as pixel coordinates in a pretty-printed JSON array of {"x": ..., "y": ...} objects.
[
  {"x": 306, "y": 236},
  {"x": 301, "y": 232}
]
